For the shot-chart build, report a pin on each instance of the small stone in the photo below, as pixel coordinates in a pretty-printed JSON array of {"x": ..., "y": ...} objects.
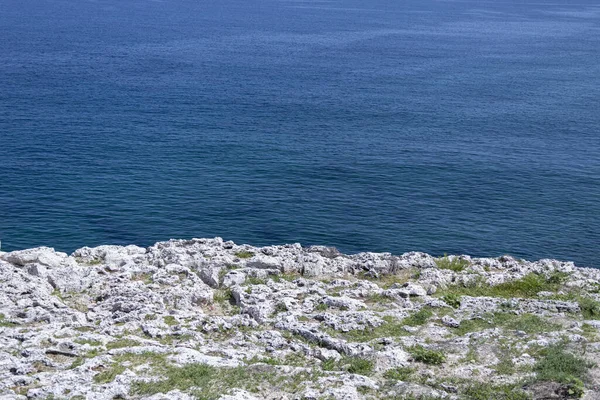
[{"x": 450, "y": 322}]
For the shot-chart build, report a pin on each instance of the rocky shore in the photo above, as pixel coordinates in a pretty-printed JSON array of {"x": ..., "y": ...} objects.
[{"x": 209, "y": 319}]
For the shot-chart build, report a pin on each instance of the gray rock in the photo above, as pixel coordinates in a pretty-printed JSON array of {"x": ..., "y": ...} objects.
[
  {"x": 66, "y": 319},
  {"x": 450, "y": 322}
]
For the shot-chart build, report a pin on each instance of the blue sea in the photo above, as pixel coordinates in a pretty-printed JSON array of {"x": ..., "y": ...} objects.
[{"x": 383, "y": 125}]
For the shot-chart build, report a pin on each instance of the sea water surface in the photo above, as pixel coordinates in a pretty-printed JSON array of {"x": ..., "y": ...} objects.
[{"x": 381, "y": 125}]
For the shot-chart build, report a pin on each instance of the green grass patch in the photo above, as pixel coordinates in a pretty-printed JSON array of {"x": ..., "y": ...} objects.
[
  {"x": 91, "y": 342},
  {"x": 590, "y": 308},
  {"x": 427, "y": 356},
  {"x": 399, "y": 374},
  {"x": 505, "y": 365},
  {"x": 488, "y": 391},
  {"x": 558, "y": 365},
  {"x": 528, "y": 323},
  {"x": 121, "y": 343},
  {"x": 109, "y": 374},
  {"x": 4, "y": 322},
  {"x": 253, "y": 280},
  {"x": 209, "y": 383},
  {"x": 526, "y": 287},
  {"x": 224, "y": 296},
  {"x": 589, "y": 332},
  {"x": 80, "y": 360},
  {"x": 453, "y": 300},
  {"x": 244, "y": 254},
  {"x": 378, "y": 298},
  {"x": 361, "y": 366},
  {"x": 128, "y": 360},
  {"x": 455, "y": 264},
  {"x": 419, "y": 318},
  {"x": 170, "y": 320}
]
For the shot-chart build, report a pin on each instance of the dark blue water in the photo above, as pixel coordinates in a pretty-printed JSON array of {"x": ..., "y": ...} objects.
[{"x": 440, "y": 126}]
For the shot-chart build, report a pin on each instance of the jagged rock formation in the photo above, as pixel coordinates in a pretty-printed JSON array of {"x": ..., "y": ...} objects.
[{"x": 205, "y": 318}]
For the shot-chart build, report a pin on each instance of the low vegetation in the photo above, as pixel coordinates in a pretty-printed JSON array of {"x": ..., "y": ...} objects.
[
  {"x": 418, "y": 318},
  {"x": 590, "y": 308},
  {"x": 301, "y": 335},
  {"x": 400, "y": 373},
  {"x": 390, "y": 328},
  {"x": 361, "y": 366},
  {"x": 122, "y": 343},
  {"x": 488, "y": 391},
  {"x": 127, "y": 360},
  {"x": 527, "y": 287},
  {"x": 244, "y": 254},
  {"x": 4, "y": 322},
  {"x": 427, "y": 356},
  {"x": 455, "y": 264},
  {"x": 559, "y": 365},
  {"x": 528, "y": 323},
  {"x": 209, "y": 383}
]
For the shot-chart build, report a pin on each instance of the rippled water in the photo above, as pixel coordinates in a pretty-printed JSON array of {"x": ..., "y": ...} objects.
[{"x": 440, "y": 126}]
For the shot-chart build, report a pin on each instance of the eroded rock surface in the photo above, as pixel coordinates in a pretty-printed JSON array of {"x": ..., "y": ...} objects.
[{"x": 205, "y": 318}]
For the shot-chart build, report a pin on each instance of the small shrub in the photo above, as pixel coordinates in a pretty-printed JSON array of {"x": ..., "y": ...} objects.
[
  {"x": 399, "y": 374},
  {"x": 558, "y": 278},
  {"x": 452, "y": 300},
  {"x": 361, "y": 366},
  {"x": 328, "y": 365},
  {"x": 589, "y": 308},
  {"x": 109, "y": 374},
  {"x": 78, "y": 362},
  {"x": 224, "y": 296},
  {"x": 244, "y": 254},
  {"x": 418, "y": 318},
  {"x": 558, "y": 365},
  {"x": 280, "y": 307},
  {"x": 455, "y": 264},
  {"x": 321, "y": 307},
  {"x": 170, "y": 320},
  {"x": 528, "y": 286},
  {"x": 427, "y": 356}
]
